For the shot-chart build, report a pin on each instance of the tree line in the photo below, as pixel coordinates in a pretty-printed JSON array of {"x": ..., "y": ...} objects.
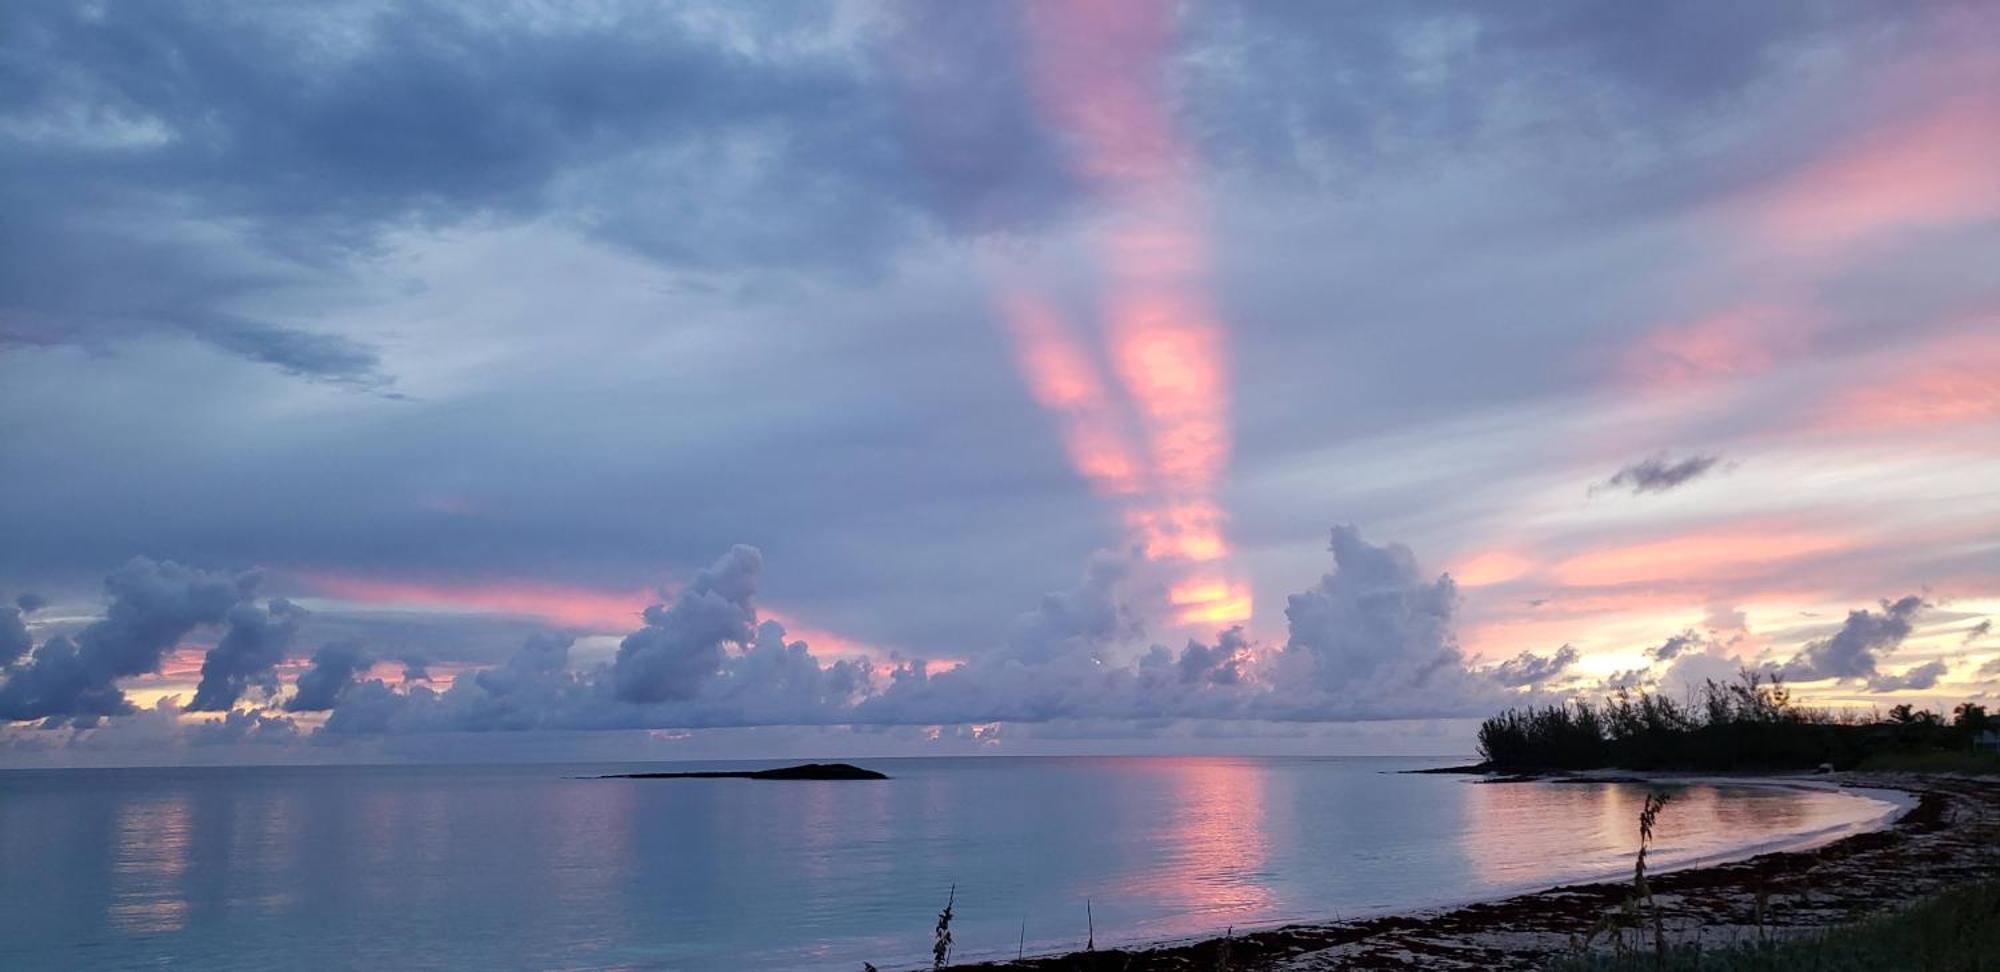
[{"x": 1749, "y": 723}]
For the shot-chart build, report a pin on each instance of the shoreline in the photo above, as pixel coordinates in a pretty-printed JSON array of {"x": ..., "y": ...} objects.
[{"x": 1944, "y": 832}]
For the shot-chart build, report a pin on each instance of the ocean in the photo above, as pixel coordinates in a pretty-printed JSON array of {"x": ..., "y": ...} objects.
[{"x": 537, "y": 866}]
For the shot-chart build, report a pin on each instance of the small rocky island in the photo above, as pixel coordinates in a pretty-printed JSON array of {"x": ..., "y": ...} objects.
[{"x": 803, "y": 771}]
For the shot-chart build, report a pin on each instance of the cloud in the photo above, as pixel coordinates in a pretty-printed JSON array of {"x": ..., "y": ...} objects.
[
  {"x": 1373, "y": 640},
  {"x": 153, "y": 605},
  {"x": 257, "y": 640},
  {"x": 1978, "y": 631},
  {"x": 1854, "y": 650},
  {"x": 30, "y": 603},
  {"x": 304, "y": 354},
  {"x": 160, "y": 179},
  {"x": 14, "y": 638},
  {"x": 416, "y": 669},
  {"x": 238, "y": 726},
  {"x": 1675, "y": 646},
  {"x": 1375, "y": 631},
  {"x": 683, "y": 645},
  {"x": 333, "y": 670},
  {"x": 1218, "y": 664},
  {"x": 1658, "y": 474},
  {"x": 1920, "y": 677},
  {"x": 1530, "y": 669}
]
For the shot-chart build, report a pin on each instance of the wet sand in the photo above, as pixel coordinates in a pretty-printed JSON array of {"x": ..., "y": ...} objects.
[{"x": 1951, "y": 836}]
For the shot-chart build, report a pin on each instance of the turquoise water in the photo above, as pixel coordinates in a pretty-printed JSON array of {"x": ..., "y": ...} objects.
[{"x": 529, "y": 867}]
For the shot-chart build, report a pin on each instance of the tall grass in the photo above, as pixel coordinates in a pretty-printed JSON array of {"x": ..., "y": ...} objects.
[{"x": 941, "y": 945}]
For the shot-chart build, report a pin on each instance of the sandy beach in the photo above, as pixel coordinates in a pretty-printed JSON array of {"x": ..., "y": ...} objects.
[{"x": 1949, "y": 835}]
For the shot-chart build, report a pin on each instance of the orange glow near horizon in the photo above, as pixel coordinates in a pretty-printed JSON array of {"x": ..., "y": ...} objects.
[{"x": 575, "y": 607}]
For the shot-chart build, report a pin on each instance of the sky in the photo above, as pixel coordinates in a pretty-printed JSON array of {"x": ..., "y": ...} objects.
[{"x": 557, "y": 380}]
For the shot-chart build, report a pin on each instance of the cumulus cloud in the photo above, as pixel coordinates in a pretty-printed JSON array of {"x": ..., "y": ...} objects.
[
  {"x": 416, "y": 668},
  {"x": 1530, "y": 669},
  {"x": 333, "y": 670},
  {"x": 1854, "y": 651},
  {"x": 1658, "y": 474},
  {"x": 1373, "y": 639},
  {"x": 1218, "y": 664},
  {"x": 683, "y": 644},
  {"x": 153, "y": 605},
  {"x": 238, "y": 726},
  {"x": 257, "y": 640},
  {"x": 1375, "y": 629},
  {"x": 30, "y": 603}
]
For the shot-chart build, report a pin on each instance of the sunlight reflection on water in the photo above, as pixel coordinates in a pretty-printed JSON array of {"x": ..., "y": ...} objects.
[{"x": 478, "y": 867}]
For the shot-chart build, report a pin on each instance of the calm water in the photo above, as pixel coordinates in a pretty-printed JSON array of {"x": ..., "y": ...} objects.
[{"x": 525, "y": 867}]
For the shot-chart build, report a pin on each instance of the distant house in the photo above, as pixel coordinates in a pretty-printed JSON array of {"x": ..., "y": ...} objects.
[{"x": 1988, "y": 740}]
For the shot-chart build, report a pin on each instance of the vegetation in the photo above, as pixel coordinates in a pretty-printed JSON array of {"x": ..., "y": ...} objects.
[
  {"x": 1751, "y": 723},
  {"x": 1957, "y": 930},
  {"x": 941, "y": 945}
]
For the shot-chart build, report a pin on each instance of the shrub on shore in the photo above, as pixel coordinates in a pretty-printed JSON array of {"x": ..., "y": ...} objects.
[{"x": 1751, "y": 723}]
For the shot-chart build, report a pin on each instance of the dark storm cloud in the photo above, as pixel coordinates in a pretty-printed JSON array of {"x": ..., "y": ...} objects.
[
  {"x": 1659, "y": 474},
  {"x": 1529, "y": 669},
  {"x": 334, "y": 668},
  {"x": 152, "y": 606},
  {"x": 257, "y": 640},
  {"x": 1854, "y": 651}
]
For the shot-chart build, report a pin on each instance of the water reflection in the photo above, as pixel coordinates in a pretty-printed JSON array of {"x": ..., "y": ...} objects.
[
  {"x": 1212, "y": 852},
  {"x": 525, "y": 866},
  {"x": 151, "y": 856},
  {"x": 1533, "y": 834}
]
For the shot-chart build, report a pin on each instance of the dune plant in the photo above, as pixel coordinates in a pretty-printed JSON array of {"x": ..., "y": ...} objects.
[
  {"x": 1641, "y": 891},
  {"x": 941, "y": 946}
]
